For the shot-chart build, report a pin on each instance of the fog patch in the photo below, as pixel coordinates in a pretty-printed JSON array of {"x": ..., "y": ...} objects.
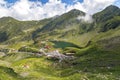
[{"x": 87, "y": 18}]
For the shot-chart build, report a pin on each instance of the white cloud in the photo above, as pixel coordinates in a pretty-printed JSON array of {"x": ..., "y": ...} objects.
[
  {"x": 92, "y": 6},
  {"x": 26, "y": 10},
  {"x": 86, "y": 18}
]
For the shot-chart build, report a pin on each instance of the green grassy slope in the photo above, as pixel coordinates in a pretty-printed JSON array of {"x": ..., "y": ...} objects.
[
  {"x": 12, "y": 30},
  {"x": 96, "y": 47},
  {"x": 8, "y": 74},
  {"x": 91, "y": 63}
]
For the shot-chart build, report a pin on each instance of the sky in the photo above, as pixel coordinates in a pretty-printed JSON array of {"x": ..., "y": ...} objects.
[{"x": 40, "y": 9}]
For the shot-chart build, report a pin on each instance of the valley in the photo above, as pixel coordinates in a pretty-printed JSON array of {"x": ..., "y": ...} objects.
[{"x": 61, "y": 47}]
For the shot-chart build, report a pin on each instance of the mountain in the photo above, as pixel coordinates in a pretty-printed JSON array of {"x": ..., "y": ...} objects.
[
  {"x": 63, "y": 21},
  {"x": 68, "y": 26},
  {"x": 64, "y": 26},
  {"x": 91, "y": 49},
  {"x": 110, "y": 11},
  {"x": 108, "y": 18},
  {"x": 12, "y": 30}
]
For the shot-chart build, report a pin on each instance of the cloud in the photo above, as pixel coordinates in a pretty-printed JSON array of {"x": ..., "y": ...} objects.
[
  {"x": 27, "y": 10},
  {"x": 87, "y": 18}
]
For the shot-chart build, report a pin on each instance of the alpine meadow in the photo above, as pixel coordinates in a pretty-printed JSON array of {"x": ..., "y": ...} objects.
[{"x": 71, "y": 46}]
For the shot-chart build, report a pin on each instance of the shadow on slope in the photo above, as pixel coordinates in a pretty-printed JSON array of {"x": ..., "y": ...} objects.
[{"x": 8, "y": 74}]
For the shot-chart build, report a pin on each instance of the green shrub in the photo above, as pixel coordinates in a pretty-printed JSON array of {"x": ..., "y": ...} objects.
[{"x": 28, "y": 49}]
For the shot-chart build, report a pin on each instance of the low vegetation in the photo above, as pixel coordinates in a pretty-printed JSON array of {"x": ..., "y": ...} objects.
[{"x": 91, "y": 50}]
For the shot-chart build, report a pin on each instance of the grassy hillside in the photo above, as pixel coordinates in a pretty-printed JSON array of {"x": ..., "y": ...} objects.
[
  {"x": 12, "y": 31},
  {"x": 94, "y": 47}
]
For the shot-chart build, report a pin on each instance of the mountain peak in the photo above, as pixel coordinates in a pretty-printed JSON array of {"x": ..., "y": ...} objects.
[
  {"x": 76, "y": 11},
  {"x": 108, "y": 13},
  {"x": 7, "y": 18},
  {"x": 112, "y": 7}
]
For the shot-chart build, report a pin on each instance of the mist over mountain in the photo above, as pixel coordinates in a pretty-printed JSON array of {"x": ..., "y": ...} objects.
[{"x": 71, "y": 46}]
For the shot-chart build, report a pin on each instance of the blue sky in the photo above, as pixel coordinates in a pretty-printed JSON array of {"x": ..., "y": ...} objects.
[
  {"x": 40, "y": 9},
  {"x": 45, "y": 1},
  {"x": 11, "y": 1},
  {"x": 69, "y": 2},
  {"x": 117, "y": 3}
]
